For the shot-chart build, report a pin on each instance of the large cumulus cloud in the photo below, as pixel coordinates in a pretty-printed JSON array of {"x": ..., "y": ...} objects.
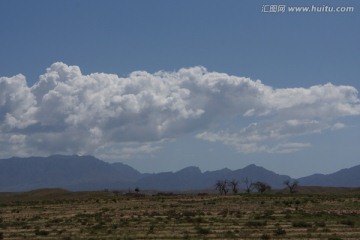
[
  {"x": 68, "y": 112},
  {"x": 17, "y": 103}
]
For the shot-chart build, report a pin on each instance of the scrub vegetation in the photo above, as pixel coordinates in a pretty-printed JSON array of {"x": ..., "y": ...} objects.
[{"x": 59, "y": 214}]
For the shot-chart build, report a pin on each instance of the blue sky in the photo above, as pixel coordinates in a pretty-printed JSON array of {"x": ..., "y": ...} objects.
[{"x": 234, "y": 42}]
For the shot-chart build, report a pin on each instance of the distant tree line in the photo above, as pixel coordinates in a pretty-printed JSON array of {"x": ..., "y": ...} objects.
[{"x": 224, "y": 186}]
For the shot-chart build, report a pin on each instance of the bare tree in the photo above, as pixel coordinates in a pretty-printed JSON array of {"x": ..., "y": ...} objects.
[
  {"x": 225, "y": 189},
  {"x": 249, "y": 186},
  {"x": 292, "y": 186},
  {"x": 234, "y": 186},
  {"x": 218, "y": 186},
  {"x": 261, "y": 187},
  {"x": 221, "y": 186}
]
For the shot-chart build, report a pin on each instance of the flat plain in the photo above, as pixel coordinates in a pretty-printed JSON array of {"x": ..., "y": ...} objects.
[{"x": 59, "y": 214}]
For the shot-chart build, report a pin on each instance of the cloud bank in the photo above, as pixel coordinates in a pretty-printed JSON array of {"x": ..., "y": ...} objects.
[{"x": 71, "y": 113}]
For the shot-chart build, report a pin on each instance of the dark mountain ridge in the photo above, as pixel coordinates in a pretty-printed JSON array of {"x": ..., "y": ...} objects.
[
  {"x": 79, "y": 173},
  {"x": 70, "y": 172},
  {"x": 348, "y": 177}
]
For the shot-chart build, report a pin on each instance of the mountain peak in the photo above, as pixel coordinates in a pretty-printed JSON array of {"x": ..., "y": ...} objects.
[
  {"x": 190, "y": 170},
  {"x": 253, "y": 166}
]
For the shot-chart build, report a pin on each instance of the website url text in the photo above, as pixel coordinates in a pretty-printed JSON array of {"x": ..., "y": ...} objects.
[{"x": 306, "y": 9}]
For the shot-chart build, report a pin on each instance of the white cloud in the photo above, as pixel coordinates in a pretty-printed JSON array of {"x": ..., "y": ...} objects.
[
  {"x": 118, "y": 151},
  {"x": 317, "y": 102},
  {"x": 17, "y": 104},
  {"x": 68, "y": 112},
  {"x": 289, "y": 147},
  {"x": 253, "y": 144},
  {"x": 338, "y": 126}
]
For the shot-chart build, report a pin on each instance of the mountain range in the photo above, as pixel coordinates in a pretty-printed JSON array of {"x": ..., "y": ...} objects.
[{"x": 80, "y": 173}]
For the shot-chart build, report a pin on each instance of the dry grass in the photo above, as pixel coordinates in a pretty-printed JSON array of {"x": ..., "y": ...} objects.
[{"x": 59, "y": 214}]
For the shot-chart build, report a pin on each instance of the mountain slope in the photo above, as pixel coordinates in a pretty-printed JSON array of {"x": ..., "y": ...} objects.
[
  {"x": 127, "y": 173},
  {"x": 71, "y": 172},
  {"x": 349, "y": 177},
  {"x": 185, "y": 179}
]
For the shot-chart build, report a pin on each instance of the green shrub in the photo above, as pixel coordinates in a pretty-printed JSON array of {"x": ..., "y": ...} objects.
[
  {"x": 320, "y": 224},
  {"x": 301, "y": 224},
  {"x": 256, "y": 223},
  {"x": 41, "y": 232},
  {"x": 265, "y": 237},
  {"x": 334, "y": 238},
  {"x": 229, "y": 234},
  {"x": 202, "y": 231},
  {"x": 151, "y": 229},
  {"x": 279, "y": 231},
  {"x": 348, "y": 222}
]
